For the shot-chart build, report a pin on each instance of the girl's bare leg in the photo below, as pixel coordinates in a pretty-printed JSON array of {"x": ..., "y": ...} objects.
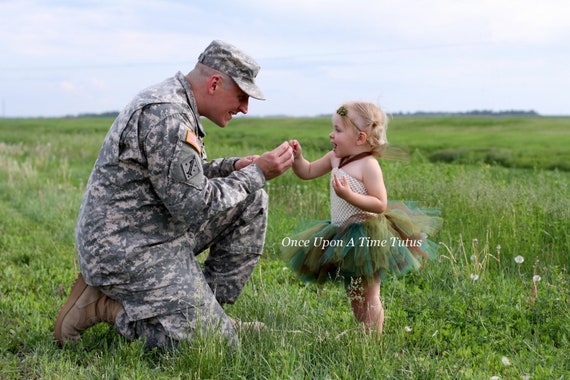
[{"x": 366, "y": 305}]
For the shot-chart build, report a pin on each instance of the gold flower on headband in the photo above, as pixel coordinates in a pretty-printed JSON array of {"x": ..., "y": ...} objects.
[{"x": 342, "y": 111}]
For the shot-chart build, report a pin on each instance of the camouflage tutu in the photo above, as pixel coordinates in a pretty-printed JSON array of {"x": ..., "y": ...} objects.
[{"x": 365, "y": 245}]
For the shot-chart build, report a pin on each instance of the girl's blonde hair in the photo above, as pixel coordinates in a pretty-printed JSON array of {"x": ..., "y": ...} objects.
[{"x": 369, "y": 118}]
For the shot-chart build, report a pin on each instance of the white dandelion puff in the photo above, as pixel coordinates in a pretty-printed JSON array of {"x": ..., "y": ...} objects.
[
  {"x": 505, "y": 361},
  {"x": 407, "y": 329},
  {"x": 519, "y": 259},
  {"x": 474, "y": 276},
  {"x": 536, "y": 278}
]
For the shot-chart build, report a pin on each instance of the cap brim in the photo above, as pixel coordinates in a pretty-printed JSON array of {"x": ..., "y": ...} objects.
[{"x": 251, "y": 89}]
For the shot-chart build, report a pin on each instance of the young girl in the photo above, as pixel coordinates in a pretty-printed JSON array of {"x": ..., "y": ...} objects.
[{"x": 367, "y": 236}]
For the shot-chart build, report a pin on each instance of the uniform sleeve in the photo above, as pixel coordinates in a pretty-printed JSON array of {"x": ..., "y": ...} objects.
[
  {"x": 219, "y": 167},
  {"x": 177, "y": 174}
]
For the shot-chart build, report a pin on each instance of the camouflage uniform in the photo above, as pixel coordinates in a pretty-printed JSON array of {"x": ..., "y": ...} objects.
[{"x": 153, "y": 202}]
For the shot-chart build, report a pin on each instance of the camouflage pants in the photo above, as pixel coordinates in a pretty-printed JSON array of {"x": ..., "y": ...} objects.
[{"x": 235, "y": 241}]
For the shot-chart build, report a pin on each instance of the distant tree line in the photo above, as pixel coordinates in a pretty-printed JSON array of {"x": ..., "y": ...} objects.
[
  {"x": 114, "y": 114},
  {"x": 471, "y": 113}
]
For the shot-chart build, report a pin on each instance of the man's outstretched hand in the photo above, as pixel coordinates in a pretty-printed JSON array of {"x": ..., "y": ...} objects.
[{"x": 275, "y": 162}]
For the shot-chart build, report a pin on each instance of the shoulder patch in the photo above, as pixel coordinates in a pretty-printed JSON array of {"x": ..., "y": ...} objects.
[
  {"x": 193, "y": 140},
  {"x": 190, "y": 168}
]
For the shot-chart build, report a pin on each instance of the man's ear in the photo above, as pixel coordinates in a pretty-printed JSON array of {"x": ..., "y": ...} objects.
[{"x": 214, "y": 83}]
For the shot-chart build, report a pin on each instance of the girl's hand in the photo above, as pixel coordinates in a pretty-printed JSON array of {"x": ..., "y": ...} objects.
[
  {"x": 297, "y": 150},
  {"x": 245, "y": 161},
  {"x": 341, "y": 187}
]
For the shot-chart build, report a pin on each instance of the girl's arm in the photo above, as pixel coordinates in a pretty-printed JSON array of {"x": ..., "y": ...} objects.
[
  {"x": 376, "y": 200},
  {"x": 309, "y": 170}
]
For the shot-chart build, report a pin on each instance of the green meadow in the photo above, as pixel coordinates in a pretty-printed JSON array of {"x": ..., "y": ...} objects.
[{"x": 474, "y": 312}]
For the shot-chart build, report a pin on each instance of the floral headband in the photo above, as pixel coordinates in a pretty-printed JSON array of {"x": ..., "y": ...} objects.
[{"x": 342, "y": 111}]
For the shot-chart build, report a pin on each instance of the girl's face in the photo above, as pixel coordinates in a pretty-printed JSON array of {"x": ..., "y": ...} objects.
[{"x": 343, "y": 138}]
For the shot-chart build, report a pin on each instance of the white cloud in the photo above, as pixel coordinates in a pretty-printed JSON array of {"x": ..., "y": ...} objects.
[
  {"x": 530, "y": 21},
  {"x": 432, "y": 22},
  {"x": 68, "y": 86}
]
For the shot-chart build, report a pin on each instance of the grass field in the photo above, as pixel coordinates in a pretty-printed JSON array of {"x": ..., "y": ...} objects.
[{"x": 473, "y": 313}]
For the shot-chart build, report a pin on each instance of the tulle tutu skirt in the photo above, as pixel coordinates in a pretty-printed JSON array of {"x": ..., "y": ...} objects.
[{"x": 395, "y": 241}]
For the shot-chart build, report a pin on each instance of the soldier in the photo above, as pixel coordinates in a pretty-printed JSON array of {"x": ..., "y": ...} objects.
[{"x": 153, "y": 203}]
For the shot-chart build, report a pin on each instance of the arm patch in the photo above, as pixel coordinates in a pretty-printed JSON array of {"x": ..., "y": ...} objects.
[
  {"x": 187, "y": 166},
  {"x": 190, "y": 168},
  {"x": 193, "y": 140}
]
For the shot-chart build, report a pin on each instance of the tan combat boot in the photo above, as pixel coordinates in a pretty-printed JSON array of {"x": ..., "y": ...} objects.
[{"x": 85, "y": 307}]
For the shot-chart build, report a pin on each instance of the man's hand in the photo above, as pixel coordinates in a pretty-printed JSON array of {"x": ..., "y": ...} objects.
[
  {"x": 276, "y": 162},
  {"x": 245, "y": 161}
]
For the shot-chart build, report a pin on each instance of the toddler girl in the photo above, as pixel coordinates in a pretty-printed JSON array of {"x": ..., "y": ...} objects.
[{"x": 367, "y": 236}]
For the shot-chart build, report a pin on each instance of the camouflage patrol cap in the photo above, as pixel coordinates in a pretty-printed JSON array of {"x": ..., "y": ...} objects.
[{"x": 228, "y": 59}]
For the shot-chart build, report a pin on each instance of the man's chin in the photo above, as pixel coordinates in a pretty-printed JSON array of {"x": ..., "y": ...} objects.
[
  {"x": 226, "y": 121},
  {"x": 220, "y": 123}
]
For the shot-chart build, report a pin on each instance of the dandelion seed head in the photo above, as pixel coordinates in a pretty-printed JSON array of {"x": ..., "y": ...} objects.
[
  {"x": 506, "y": 361},
  {"x": 474, "y": 276},
  {"x": 519, "y": 259},
  {"x": 498, "y": 247},
  {"x": 407, "y": 329},
  {"x": 473, "y": 258},
  {"x": 536, "y": 278},
  {"x": 495, "y": 378}
]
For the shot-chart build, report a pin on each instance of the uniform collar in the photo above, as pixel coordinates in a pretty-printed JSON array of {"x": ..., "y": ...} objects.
[{"x": 191, "y": 102}]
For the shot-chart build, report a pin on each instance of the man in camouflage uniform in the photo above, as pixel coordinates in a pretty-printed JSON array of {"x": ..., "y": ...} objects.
[{"x": 153, "y": 202}]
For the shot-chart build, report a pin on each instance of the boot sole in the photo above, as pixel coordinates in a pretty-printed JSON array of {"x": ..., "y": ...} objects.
[{"x": 76, "y": 290}]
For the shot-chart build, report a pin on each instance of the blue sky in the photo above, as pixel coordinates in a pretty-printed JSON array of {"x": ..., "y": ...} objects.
[{"x": 69, "y": 57}]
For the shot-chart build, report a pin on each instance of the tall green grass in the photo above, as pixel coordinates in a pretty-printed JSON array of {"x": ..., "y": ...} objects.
[{"x": 460, "y": 317}]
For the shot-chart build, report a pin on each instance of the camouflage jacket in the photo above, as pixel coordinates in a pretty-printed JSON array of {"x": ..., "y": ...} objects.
[{"x": 151, "y": 188}]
